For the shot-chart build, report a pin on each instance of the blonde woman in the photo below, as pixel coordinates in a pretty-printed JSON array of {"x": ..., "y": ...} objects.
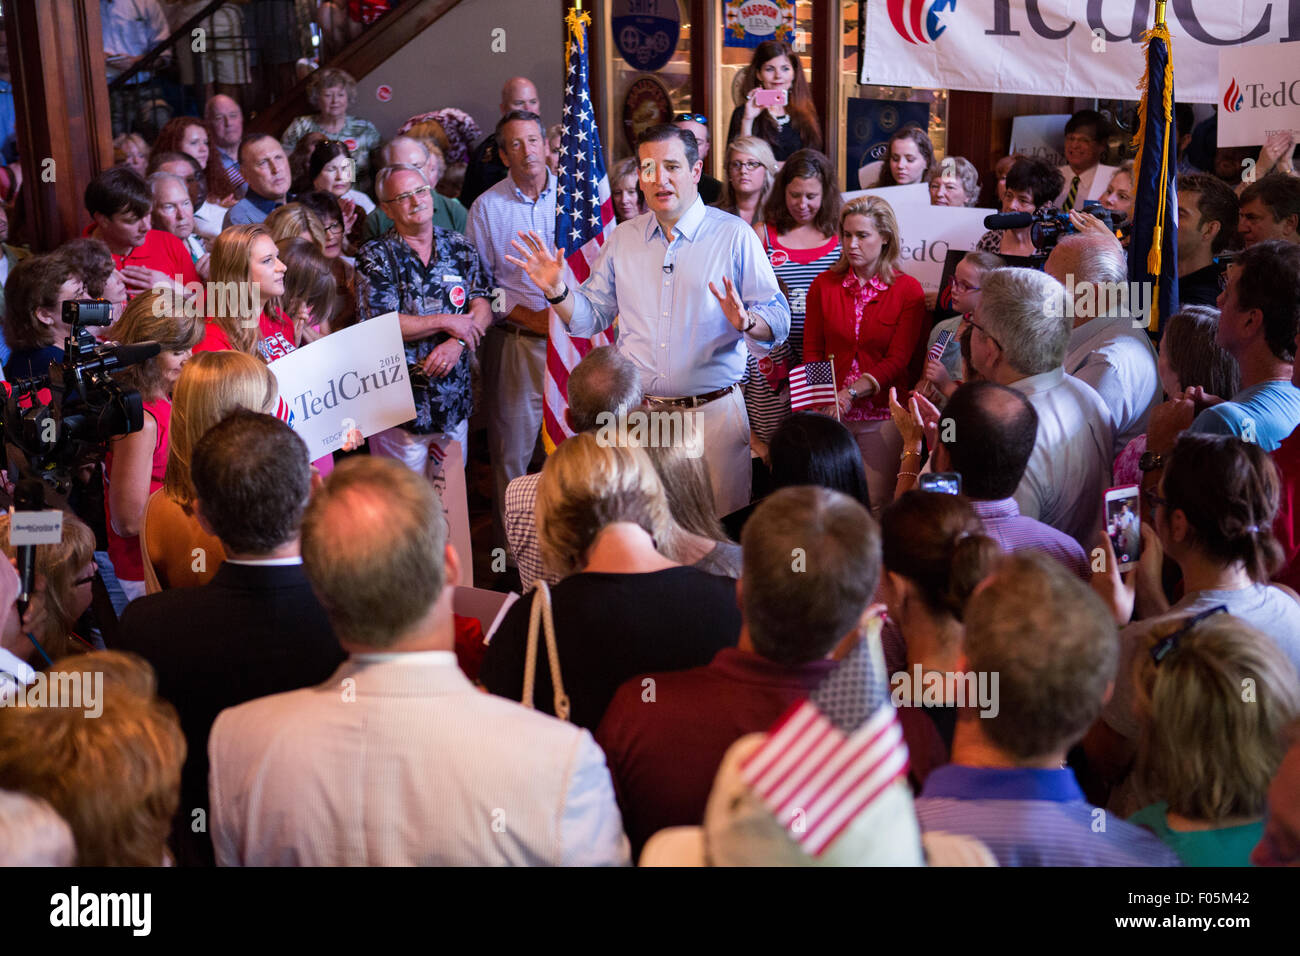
[
  {"x": 69, "y": 571},
  {"x": 694, "y": 535},
  {"x": 751, "y": 172},
  {"x": 244, "y": 260},
  {"x": 628, "y": 201},
  {"x": 623, "y": 608},
  {"x": 867, "y": 315},
  {"x": 176, "y": 551},
  {"x": 295, "y": 221},
  {"x": 1212, "y": 696},
  {"x": 135, "y": 462}
]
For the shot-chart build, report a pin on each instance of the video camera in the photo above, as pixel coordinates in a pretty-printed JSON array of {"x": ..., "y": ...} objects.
[
  {"x": 1048, "y": 226},
  {"x": 61, "y": 421}
]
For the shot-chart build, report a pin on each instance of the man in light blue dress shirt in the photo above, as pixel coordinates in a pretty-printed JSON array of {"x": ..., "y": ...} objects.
[
  {"x": 514, "y": 347},
  {"x": 692, "y": 290}
]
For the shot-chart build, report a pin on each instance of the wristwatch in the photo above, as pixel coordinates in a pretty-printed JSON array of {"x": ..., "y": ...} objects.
[
  {"x": 853, "y": 393},
  {"x": 564, "y": 294},
  {"x": 1150, "y": 461}
]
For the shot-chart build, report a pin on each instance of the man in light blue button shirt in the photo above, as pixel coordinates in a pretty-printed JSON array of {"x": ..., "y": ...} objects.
[
  {"x": 514, "y": 348},
  {"x": 692, "y": 289}
]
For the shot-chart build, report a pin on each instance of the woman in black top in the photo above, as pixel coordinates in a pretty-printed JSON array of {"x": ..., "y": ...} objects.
[
  {"x": 623, "y": 609},
  {"x": 788, "y": 128}
]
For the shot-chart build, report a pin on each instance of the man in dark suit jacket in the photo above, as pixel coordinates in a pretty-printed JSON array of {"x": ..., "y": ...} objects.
[{"x": 256, "y": 629}]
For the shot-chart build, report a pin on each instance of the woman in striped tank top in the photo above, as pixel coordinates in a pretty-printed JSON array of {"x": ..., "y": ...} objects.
[{"x": 801, "y": 235}]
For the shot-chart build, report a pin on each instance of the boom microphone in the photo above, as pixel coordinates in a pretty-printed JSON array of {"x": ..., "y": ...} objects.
[{"x": 1008, "y": 220}]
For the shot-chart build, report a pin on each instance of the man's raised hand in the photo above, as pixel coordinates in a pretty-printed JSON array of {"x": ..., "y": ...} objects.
[
  {"x": 733, "y": 307},
  {"x": 546, "y": 269}
]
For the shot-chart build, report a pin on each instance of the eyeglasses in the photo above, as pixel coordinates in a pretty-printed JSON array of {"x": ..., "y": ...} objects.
[
  {"x": 419, "y": 192},
  {"x": 959, "y": 286},
  {"x": 736, "y": 165},
  {"x": 1160, "y": 650},
  {"x": 1154, "y": 501},
  {"x": 692, "y": 118},
  {"x": 336, "y": 228},
  {"x": 983, "y": 332}
]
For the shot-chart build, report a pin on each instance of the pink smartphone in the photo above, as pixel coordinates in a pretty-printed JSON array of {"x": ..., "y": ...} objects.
[
  {"x": 1124, "y": 524},
  {"x": 769, "y": 97}
]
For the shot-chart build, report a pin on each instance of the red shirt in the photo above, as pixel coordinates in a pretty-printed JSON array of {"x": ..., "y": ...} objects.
[
  {"x": 885, "y": 342},
  {"x": 275, "y": 337},
  {"x": 125, "y": 552},
  {"x": 1286, "y": 527},
  {"x": 162, "y": 251},
  {"x": 664, "y": 755}
]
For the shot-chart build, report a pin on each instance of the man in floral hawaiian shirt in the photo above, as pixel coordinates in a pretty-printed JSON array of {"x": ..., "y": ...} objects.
[{"x": 433, "y": 279}]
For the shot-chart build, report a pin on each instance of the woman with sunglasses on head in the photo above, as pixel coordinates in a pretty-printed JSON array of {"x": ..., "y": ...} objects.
[
  {"x": 1212, "y": 515},
  {"x": 1205, "y": 755}
]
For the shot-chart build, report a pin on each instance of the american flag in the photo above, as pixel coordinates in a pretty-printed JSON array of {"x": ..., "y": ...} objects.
[
  {"x": 941, "y": 343},
  {"x": 812, "y": 385},
  {"x": 831, "y": 756},
  {"x": 584, "y": 218}
]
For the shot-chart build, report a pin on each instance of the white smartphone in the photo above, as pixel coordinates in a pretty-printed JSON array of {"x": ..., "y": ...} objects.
[{"x": 1124, "y": 524}]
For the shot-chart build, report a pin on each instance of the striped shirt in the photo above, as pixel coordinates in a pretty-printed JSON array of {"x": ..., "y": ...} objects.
[
  {"x": 498, "y": 215},
  {"x": 768, "y": 407},
  {"x": 1033, "y": 817},
  {"x": 1004, "y": 523}
]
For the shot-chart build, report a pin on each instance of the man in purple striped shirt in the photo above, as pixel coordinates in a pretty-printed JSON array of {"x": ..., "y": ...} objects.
[
  {"x": 987, "y": 434},
  {"x": 1050, "y": 648}
]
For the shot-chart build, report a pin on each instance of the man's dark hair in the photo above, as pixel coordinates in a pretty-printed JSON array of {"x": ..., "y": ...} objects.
[
  {"x": 1216, "y": 202},
  {"x": 1279, "y": 193},
  {"x": 1043, "y": 180},
  {"x": 118, "y": 190},
  {"x": 252, "y": 479},
  {"x": 1089, "y": 121},
  {"x": 993, "y": 433},
  {"x": 517, "y": 116},
  {"x": 1270, "y": 281},
  {"x": 666, "y": 132},
  {"x": 812, "y": 449},
  {"x": 810, "y": 566},
  {"x": 162, "y": 156},
  {"x": 248, "y": 140}
]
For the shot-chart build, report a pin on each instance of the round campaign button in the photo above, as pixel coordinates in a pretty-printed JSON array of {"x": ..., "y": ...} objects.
[
  {"x": 383, "y": 92},
  {"x": 457, "y": 296}
]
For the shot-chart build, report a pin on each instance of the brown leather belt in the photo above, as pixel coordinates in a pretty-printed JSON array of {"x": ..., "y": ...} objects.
[
  {"x": 690, "y": 401},
  {"x": 510, "y": 328}
]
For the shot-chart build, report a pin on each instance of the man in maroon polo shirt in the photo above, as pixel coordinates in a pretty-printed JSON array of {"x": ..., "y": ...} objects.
[
  {"x": 810, "y": 565},
  {"x": 119, "y": 200}
]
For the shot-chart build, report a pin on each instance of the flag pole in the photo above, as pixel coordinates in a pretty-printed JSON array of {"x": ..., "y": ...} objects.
[{"x": 837, "y": 391}]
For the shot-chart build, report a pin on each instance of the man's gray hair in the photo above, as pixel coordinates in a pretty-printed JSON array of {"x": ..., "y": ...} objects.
[
  {"x": 386, "y": 151},
  {"x": 1024, "y": 310},
  {"x": 160, "y": 177},
  {"x": 604, "y": 381},
  {"x": 388, "y": 172}
]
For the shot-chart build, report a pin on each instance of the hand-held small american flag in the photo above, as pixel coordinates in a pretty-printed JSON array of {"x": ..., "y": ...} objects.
[
  {"x": 940, "y": 344},
  {"x": 812, "y": 385},
  {"x": 833, "y": 755},
  {"x": 584, "y": 218}
]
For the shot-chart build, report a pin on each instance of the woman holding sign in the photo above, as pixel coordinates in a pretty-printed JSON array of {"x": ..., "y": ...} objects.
[
  {"x": 867, "y": 316},
  {"x": 778, "y": 104},
  {"x": 244, "y": 311}
]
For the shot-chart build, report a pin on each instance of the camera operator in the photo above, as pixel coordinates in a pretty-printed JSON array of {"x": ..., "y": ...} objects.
[
  {"x": 1032, "y": 184},
  {"x": 137, "y": 461},
  {"x": 33, "y": 319}
]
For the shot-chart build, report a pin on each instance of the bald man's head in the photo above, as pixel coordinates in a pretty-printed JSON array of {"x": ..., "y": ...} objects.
[
  {"x": 1089, "y": 264},
  {"x": 519, "y": 93},
  {"x": 374, "y": 544},
  {"x": 227, "y": 121}
]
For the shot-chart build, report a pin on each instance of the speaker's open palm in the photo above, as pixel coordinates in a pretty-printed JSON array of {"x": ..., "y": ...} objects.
[{"x": 545, "y": 268}]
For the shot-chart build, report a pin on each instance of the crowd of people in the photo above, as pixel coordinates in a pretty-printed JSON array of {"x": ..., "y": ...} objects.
[{"x": 278, "y": 623}]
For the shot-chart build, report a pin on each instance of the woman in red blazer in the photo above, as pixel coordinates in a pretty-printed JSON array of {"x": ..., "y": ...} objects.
[{"x": 868, "y": 317}]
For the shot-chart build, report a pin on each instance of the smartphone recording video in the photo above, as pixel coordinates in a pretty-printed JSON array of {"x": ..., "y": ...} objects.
[
  {"x": 943, "y": 482},
  {"x": 1123, "y": 524},
  {"x": 769, "y": 98}
]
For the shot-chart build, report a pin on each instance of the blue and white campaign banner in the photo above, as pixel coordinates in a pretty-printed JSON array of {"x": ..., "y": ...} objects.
[
  {"x": 1083, "y": 48},
  {"x": 1260, "y": 89},
  {"x": 353, "y": 378}
]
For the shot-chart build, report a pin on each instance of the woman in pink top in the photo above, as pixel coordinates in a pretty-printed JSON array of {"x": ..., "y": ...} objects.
[
  {"x": 137, "y": 461},
  {"x": 247, "y": 279}
]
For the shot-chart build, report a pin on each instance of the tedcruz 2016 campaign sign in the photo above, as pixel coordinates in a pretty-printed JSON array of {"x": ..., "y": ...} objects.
[
  {"x": 352, "y": 378},
  {"x": 1087, "y": 48},
  {"x": 1260, "y": 94}
]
